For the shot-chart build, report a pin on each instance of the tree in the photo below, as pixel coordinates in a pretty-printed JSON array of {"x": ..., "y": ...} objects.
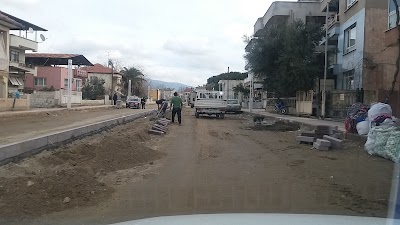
[
  {"x": 93, "y": 89},
  {"x": 137, "y": 78},
  {"x": 240, "y": 88},
  {"x": 212, "y": 82},
  {"x": 285, "y": 57}
]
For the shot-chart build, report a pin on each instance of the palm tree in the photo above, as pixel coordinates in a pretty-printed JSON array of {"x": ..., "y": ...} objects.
[{"x": 137, "y": 78}]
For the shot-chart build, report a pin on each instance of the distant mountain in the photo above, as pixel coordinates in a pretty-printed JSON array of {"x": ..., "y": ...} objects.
[{"x": 163, "y": 84}]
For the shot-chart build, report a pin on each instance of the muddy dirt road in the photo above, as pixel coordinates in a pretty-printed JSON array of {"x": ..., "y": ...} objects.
[
  {"x": 21, "y": 127},
  {"x": 205, "y": 166}
]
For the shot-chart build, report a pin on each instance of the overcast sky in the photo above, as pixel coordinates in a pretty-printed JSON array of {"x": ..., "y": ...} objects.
[{"x": 185, "y": 41}]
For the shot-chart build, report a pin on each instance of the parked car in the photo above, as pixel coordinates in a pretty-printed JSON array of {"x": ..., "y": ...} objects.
[
  {"x": 233, "y": 105},
  {"x": 133, "y": 103}
]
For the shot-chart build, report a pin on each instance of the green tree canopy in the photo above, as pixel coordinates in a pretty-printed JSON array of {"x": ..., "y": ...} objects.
[
  {"x": 93, "y": 89},
  {"x": 240, "y": 88},
  {"x": 285, "y": 57},
  {"x": 137, "y": 78},
  {"x": 212, "y": 82}
]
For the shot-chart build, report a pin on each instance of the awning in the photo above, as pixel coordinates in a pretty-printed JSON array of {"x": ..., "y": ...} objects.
[{"x": 16, "y": 81}]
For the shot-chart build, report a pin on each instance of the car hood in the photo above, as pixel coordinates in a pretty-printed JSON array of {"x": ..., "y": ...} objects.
[{"x": 261, "y": 219}]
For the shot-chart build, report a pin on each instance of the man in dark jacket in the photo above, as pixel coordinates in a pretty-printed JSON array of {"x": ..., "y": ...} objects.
[
  {"x": 115, "y": 98},
  {"x": 143, "y": 102}
]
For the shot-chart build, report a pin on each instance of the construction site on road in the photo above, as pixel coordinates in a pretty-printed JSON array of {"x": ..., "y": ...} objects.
[{"x": 207, "y": 165}]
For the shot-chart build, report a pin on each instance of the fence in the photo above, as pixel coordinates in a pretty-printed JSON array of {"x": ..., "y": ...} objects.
[
  {"x": 304, "y": 102},
  {"x": 269, "y": 104},
  {"x": 337, "y": 102}
]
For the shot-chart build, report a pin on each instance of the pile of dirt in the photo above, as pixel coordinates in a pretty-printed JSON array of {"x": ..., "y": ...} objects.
[
  {"x": 71, "y": 175},
  {"x": 118, "y": 150},
  {"x": 280, "y": 126},
  {"x": 50, "y": 191}
]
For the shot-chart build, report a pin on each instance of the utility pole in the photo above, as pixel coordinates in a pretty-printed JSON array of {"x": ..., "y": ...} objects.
[
  {"x": 323, "y": 106},
  {"x": 129, "y": 87},
  {"x": 69, "y": 83},
  {"x": 112, "y": 76},
  {"x": 251, "y": 93},
  {"x": 228, "y": 69}
]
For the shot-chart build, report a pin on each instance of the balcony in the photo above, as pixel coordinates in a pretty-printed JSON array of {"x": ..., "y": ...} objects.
[
  {"x": 333, "y": 5},
  {"x": 333, "y": 20},
  {"x": 22, "y": 67},
  {"x": 23, "y": 43},
  {"x": 333, "y": 30}
]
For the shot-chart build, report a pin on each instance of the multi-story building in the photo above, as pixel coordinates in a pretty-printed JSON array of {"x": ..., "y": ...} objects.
[
  {"x": 227, "y": 87},
  {"x": 21, "y": 39},
  {"x": 362, "y": 44},
  {"x": 359, "y": 57},
  {"x": 280, "y": 13},
  {"x": 16, "y": 37}
]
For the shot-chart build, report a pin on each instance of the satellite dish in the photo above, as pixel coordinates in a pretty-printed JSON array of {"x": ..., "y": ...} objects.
[
  {"x": 30, "y": 30},
  {"x": 42, "y": 37}
]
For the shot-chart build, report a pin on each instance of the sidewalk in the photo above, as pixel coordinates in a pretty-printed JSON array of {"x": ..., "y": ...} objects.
[
  {"x": 308, "y": 121},
  {"x": 41, "y": 110}
]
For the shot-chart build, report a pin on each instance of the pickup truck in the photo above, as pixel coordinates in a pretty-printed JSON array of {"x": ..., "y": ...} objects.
[{"x": 210, "y": 103}]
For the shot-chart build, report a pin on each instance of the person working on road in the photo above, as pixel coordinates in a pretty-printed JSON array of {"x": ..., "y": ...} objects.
[
  {"x": 143, "y": 102},
  {"x": 176, "y": 105}
]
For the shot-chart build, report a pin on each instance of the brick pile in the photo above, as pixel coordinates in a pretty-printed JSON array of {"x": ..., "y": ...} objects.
[
  {"x": 160, "y": 127},
  {"x": 323, "y": 138}
]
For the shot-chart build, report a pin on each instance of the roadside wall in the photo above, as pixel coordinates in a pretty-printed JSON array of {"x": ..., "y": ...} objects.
[
  {"x": 45, "y": 99},
  {"x": 76, "y": 97},
  {"x": 49, "y": 99},
  {"x": 96, "y": 102},
  {"x": 6, "y": 104}
]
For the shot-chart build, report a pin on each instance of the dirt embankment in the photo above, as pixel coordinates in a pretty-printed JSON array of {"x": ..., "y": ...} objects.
[{"x": 71, "y": 175}]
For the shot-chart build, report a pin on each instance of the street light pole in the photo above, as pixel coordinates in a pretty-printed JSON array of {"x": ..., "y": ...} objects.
[
  {"x": 323, "y": 106},
  {"x": 69, "y": 83}
]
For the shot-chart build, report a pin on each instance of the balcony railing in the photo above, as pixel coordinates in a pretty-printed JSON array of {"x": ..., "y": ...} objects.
[
  {"x": 332, "y": 20},
  {"x": 23, "y": 43}
]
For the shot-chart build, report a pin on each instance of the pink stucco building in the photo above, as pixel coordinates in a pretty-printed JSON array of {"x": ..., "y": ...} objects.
[{"x": 56, "y": 77}]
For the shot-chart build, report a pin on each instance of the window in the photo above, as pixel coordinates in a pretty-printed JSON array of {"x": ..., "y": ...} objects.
[
  {"x": 350, "y": 38},
  {"x": 392, "y": 14},
  {"x": 65, "y": 83},
  {"x": 351, "y": 3},
  {"x": 348, "y": 80},
  {"x": 40, "y": 81},
  {"x": 78, "y": 85},
  {"x": 14, "y": 56}
]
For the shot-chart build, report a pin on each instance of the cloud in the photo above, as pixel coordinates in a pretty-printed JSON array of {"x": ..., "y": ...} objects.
[
  {"x": 188, "y": 46},
  {"x": 176, "y": 40},
  {"x": 20, "y": 4}
]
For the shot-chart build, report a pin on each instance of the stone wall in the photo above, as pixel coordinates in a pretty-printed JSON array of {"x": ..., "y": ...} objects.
[{"x": 45, "y": 99}]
